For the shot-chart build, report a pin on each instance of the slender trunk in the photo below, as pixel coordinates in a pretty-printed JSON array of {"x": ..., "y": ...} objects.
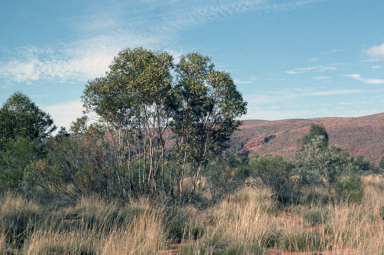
[
  {"x": 129, "y": 163},
  {"x": 139, "y": 145},
  {"x": 162, "y": 167},
  {"x": 197, "y": 176}
]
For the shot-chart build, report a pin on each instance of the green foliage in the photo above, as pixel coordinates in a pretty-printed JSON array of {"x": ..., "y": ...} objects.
[
  {"x": 21, "y": 117},
  {"x": 191, "y": 249},
  {"x": 314, "y": 217},
  {"x": 315, "y": 130},
  {"x": 381, "y": 164},
  {"x": 206, "y": 107},
  {"x": 364, "y": 167},
  {"x": 86, "y": 163},
  {"x": 322, "y": 164},
  {"x": 138, "y": 101},
  {"x": 349, "y": 190},
  {"x": 225, "y": 174},
  {"x": 17, "y": 163},
  {"x": 361, "y": 164},
  {"x": 247, "y": 248},
  {"x": 277, "y": 173},
  {"x": 298, "y": 242}
]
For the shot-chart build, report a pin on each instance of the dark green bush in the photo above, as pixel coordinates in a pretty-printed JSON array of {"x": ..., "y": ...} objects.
[
  {"x": 350, "y": 190},
  {"x": 277, "y": 173},
  {"x": 18, "y": 224},
  {"x": 271, "y": 239},
  {"x": 314, "y": 217},
  {"x": 191, "y": 249},
  {"x": 17, "y": 159},
  {"x": 240, "y": 249},
  {"x": 303, "y": 242}
]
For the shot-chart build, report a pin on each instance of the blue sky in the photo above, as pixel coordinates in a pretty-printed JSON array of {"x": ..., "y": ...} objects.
[{"x": 289, "y": 59}]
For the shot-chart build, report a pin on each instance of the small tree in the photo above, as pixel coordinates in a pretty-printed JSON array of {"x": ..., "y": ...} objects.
[
  {"x": 315, "y": 130},
  {"x": 322, "y": 164},
  {"x": 207, "y": 106},
  {"x": 21, "y": 117},
  {"x": 133, "y": 102},
  {"x": 381, "y": 164},
  {"x": 276, "y": 173},
  {"x": 16, "y": 159}
]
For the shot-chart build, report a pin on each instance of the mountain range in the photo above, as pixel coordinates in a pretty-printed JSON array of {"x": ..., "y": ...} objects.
[{"x": 357, "y": 135}]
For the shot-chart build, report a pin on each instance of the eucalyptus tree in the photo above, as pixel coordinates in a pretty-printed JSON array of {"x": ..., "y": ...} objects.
[
  {"x": 319, "y": 163},
  {"x": 315, "y": 130},
  {"x": 208, "y": 105},
  {"x": 21, "y": 117},
  {"x": 132, "y": 101},
  {"x": 139, "y": 101}
]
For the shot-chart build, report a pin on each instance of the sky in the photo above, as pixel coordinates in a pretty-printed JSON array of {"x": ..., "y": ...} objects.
[{"x": 289, "y": 59}]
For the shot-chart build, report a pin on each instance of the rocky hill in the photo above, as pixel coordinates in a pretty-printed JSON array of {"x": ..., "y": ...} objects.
[{"x": 358, "y": 136}]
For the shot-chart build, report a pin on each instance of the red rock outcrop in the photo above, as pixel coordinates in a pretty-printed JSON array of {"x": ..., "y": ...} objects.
[{"x": 358, "y": 136}]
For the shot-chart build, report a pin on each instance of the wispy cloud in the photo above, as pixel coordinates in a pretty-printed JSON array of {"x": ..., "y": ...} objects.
[
  {"x": 365, "y": 80},
  {"x": 321, "y": 77},
  {"x": 236, "y": 81},
  {"x": 375, "y": 51},
  {"x": 332, "y": 51},
  {"x": 273, "y": 97},
  {"x": 82, "y": 60},
  {"x": 312, "y": 68},
  {"x": 339, "y": 92},
  {"x": 103, "y": 33}
]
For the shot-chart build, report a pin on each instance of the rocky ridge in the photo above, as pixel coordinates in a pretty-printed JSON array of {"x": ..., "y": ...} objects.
[{"x": 358, "y": 135}]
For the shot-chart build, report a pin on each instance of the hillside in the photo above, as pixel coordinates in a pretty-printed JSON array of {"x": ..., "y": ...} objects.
[{"x": 359, "y": 135}]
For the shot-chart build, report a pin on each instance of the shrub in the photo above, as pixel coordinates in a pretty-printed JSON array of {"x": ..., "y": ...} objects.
[
  {"x": 314, "y": 217},
  {"x": 350, "y": 190},
  {"x": 191, "y": 249},
  {"x": 240, "y": 249},
  {"x": 276, "y": 173},
  {"x": 303, "y": 242},
  {"x": 16, "y": 158}
]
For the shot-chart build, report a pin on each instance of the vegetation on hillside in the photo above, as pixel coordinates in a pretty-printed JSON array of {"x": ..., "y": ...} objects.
[{"x": 114, "y": 186}]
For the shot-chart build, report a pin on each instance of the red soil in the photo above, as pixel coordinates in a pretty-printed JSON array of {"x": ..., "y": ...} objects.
[{"x": 358, "y": 136}]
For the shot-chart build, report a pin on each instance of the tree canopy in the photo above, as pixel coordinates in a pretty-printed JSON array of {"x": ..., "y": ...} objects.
[
  {"x": 21, "y": 117},
  {"x": 139, "y": 101},
  {"x": 315, "y": 130}
]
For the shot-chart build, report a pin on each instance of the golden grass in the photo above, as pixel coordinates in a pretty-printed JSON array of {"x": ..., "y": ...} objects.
[
  {"x": 248, "y": 222},
  {"x": 92, "y": 226},
  {"x": 250, "y": 217}
]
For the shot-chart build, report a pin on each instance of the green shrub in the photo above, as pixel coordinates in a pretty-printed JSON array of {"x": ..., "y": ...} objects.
[
  {"x": 314, "y": 217},
  {"x": 191, "y": 249},
  {"x": 18, "y": 220},
  {"x": 270, "y": 210},
  {"x": 271, "y": 239},
  {"x": 276, "y": 173},
  {"x": 303, "y": 242},
  {"x": 350, "y": 190},
  {"x": 240, "y": 249}
]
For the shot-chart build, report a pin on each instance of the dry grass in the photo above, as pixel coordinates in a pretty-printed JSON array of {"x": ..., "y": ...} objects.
[
  {"x": 248, "y": 222},
  {"x": 251, "y": 218},
  {"x": 92, "y": 226}
]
